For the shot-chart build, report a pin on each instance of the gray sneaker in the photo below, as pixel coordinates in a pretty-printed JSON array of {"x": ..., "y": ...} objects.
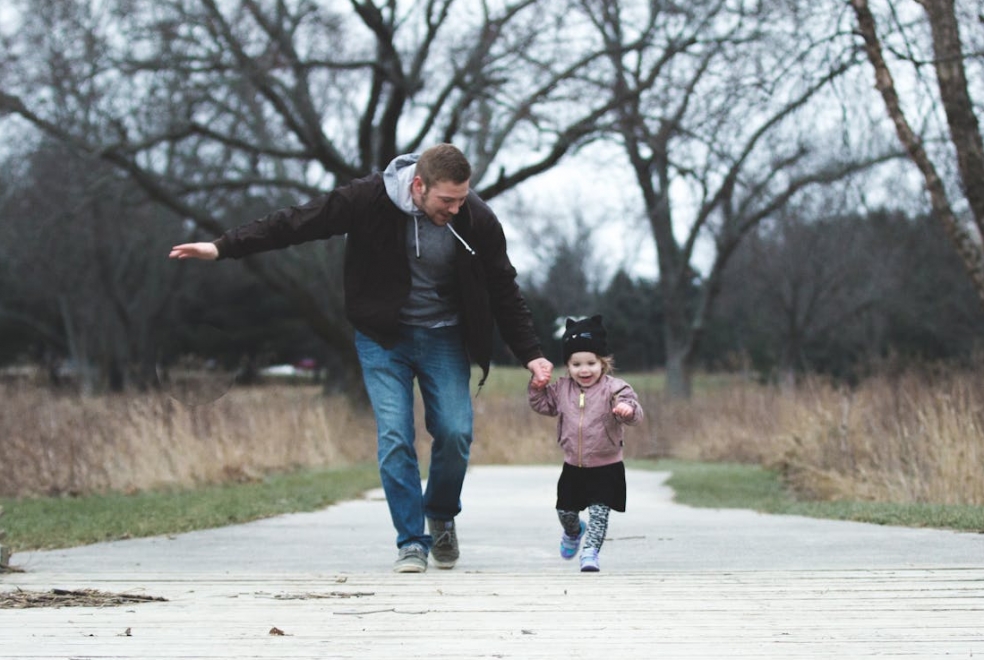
[
  {"x": 444, "y": 551},
  {"x": 412, "y": 559}
]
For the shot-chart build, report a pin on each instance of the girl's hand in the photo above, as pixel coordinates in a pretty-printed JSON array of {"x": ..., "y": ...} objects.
[
  {"x": 623, "y": 411},
  {"x": 542, "y": 370}
]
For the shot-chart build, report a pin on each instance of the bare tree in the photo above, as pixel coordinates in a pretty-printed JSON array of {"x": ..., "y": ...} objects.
[
  {"x": 716, "y": 121},
  {"x": 839, "y": 292},
  {"x": 952, "y": 93},
  {"x": 100, "y": 303},
  {"x": 806, "y": 279},
  {"x": 210, "y": 105}
]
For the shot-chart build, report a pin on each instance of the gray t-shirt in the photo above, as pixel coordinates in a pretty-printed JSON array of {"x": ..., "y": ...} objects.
[{"x": 430, "y": 250}]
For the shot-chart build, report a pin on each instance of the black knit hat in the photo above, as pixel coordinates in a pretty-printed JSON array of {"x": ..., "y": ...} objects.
[{"x": 585, "y": 335}]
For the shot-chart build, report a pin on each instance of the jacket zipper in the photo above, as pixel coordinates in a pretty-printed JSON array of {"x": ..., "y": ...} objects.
[{"x": 580, "y": 429}]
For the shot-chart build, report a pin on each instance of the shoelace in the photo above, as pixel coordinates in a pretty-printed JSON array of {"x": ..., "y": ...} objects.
[
  {"x": 412, "y": 549},
  {"x": 446, "y": 536}
]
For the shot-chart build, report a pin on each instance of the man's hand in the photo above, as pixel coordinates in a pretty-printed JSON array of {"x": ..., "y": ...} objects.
[
  {"x": 206, "y": 251},
  {"x": 542, "y": 370}
]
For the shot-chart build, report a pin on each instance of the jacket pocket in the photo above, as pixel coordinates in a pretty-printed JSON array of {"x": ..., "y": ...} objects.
[{"x": 613, "y": 431}]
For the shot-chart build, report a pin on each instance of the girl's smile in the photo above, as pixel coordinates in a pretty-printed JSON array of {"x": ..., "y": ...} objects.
[{"x": 585, "y": 368}]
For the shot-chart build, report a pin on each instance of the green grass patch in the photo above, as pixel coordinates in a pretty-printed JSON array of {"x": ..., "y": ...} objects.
[
  {"x": 735, "y": 486},
  {"x": 60, "y": 522}
]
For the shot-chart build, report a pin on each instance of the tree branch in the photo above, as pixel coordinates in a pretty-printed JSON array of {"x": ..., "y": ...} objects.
[{"x": 967, "y": 247}]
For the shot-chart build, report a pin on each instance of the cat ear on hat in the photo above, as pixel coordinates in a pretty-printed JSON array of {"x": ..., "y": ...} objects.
[{"x": 570, "y": 323}]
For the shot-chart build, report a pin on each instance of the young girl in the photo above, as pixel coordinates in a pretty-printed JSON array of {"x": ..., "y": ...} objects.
[{"x": 591, "y": 407}]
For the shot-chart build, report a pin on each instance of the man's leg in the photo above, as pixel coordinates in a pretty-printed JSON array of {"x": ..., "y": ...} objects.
[
  {"x": 388, "y": 376},
  {"x": 443, "y": 373}
]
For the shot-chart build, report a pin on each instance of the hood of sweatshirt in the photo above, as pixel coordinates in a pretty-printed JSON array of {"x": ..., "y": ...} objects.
[{"x": 397, "y": 178}]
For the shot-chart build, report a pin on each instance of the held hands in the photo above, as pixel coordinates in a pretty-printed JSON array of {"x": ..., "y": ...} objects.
[
  {"x": 623, "y": 411},
  {"x": 542, "y": 370},
  {"x": 206, "y": 251}
]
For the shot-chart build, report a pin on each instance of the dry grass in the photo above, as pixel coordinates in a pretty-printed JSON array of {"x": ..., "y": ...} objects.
[
  {"x": 68, "y": 444},
  {"x": 916, "y": 437}
]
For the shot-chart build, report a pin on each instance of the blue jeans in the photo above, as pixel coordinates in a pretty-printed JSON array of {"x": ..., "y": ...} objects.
[{"x": 437, "y": 358}]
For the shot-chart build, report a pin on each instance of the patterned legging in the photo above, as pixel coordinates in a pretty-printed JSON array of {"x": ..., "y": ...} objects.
[{"x": 597, "y": 524}]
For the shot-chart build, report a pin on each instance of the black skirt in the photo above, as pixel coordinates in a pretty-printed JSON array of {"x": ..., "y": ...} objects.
[{"x": 578, "y": 488}]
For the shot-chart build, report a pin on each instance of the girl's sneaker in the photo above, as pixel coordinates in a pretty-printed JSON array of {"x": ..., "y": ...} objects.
[
  {"x": 570, "y": 544},
  {"x": 589, "y": 561}
]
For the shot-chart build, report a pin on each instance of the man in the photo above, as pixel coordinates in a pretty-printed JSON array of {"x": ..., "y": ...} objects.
[{"x": 426, "y": 279}]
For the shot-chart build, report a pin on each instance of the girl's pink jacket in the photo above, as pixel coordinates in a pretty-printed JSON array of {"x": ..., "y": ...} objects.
[{"x": 587, "y": 430}]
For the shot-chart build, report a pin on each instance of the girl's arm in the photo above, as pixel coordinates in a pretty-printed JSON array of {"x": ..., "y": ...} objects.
[
  {"x": 626, "y": 406},
  {"x": 543, "y": 399}
]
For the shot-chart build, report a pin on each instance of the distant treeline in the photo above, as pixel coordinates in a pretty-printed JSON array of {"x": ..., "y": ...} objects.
[
  {"x": 87, "y": 293},
  {"x": 838, "y": 295}
]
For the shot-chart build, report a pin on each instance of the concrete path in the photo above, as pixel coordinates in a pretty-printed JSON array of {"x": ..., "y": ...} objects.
[{"x": 676, "y": 582}]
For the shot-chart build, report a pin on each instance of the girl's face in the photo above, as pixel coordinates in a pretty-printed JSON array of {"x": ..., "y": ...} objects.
[{"x": 585, "y": 368}]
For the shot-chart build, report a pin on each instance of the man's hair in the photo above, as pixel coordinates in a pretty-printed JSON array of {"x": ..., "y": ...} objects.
[{"x": 443, "y": 162}]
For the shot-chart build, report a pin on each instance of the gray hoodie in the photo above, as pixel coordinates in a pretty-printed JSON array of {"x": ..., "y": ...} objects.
[{"x": 431, "y": 250}]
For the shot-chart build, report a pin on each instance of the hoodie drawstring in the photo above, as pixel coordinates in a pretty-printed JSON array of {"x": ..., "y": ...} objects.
[
  {"x": 467, "y": 247},
  {"x": 416, "y": 237}
]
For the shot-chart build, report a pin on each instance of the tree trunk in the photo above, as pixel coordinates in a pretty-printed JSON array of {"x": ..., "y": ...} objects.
[
  {"x": 678, "y": 381},
  {"x": 965, "y": 132},
  {"x": 679, "y": 342},
  {"x": 966, "y": 245},
  {"x": 79, "y": 356}
]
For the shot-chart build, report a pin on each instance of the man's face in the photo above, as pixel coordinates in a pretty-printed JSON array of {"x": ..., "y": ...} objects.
[
  {"x": 584, "y": 367},
  {"x": 441, "y": 201}
]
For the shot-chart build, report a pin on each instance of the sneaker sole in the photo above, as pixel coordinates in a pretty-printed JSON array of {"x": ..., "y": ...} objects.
[
  {"x": 444, "y": 565},
  {"x": 409, "y": 568}
]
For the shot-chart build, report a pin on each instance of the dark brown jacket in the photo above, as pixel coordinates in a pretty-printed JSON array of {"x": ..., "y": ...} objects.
[{"x": 377, "y": 271}]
